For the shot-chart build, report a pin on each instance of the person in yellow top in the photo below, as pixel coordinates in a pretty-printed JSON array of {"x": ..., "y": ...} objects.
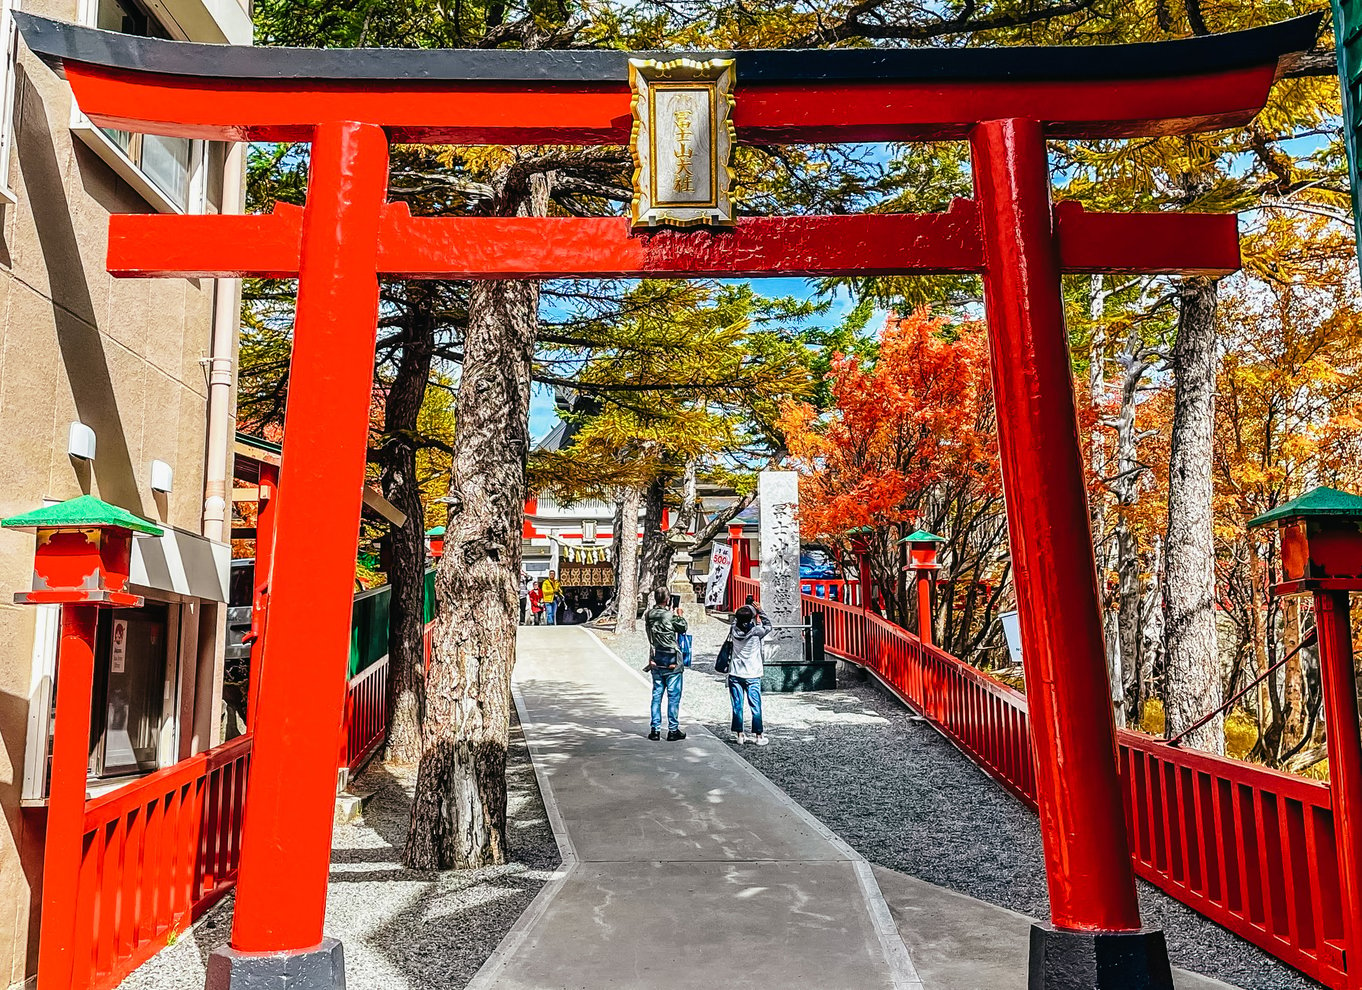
[{"x": 549, "y": 589}]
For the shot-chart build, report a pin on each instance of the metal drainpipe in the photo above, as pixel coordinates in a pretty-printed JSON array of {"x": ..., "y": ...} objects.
[{"x": 226, "y": 319}]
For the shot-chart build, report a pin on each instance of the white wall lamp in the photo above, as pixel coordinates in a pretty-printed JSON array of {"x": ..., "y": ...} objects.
[
  {"x": 80, "y": 442},
  {"x": 161, "y": 476}
]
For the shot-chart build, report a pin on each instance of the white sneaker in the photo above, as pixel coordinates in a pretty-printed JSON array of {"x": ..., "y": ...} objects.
[
  {"x": 750, "y": 738},
  {"x": 740, "y": 737},
  {"x": 761, "y": 741}
]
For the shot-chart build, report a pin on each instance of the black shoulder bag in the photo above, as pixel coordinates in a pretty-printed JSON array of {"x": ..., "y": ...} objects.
[{"x": 724, "y": 660}]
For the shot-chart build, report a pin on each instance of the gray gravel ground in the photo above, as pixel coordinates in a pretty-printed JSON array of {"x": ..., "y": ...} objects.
[
  {"x": 402, "y": 930},
  {"x": 905, "y": 798}
]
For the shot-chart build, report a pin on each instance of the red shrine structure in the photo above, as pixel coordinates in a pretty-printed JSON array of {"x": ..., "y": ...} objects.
[{"x": 351, "y": 104}]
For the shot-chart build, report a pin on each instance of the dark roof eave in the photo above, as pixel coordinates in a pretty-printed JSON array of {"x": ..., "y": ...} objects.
[{"x": 57, "y": 42}]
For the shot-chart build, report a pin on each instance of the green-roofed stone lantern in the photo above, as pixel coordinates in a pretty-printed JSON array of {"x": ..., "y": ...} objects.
[
  {"x": 1321, "y": 541},
  {"x": 922, "y": 548},
  {"x": 1321, "y": 548},
  {"x": 859, "y": 538},
  {"x": 83, "y": 554},
  {"x": 435, "y": 541}
]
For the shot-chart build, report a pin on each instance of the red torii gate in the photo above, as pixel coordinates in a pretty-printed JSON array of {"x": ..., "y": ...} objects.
[{"x": 350, "y": 104}]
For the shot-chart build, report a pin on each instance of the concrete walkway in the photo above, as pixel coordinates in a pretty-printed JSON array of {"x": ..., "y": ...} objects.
[{"x": 682, "y": 866}]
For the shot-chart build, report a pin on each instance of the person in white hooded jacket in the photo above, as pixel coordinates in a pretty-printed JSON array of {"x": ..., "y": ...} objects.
[{"x": 750, "y": 627}]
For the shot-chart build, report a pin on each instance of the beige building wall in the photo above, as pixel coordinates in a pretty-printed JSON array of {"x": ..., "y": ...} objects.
[{"x": 126, "y": 357}]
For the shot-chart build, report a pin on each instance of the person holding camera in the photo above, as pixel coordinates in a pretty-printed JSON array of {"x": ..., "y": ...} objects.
[
  {"x": 662, "y": 624},
  {"x": 750, "y": 627}
]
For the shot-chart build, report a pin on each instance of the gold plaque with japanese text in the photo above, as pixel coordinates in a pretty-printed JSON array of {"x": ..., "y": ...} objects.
[{"x": 682, "y": 141}]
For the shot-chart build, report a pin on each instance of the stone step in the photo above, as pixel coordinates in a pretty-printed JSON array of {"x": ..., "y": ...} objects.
[{"x": 350, "y": 807}]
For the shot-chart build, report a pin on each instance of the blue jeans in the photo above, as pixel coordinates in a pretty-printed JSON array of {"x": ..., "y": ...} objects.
[
  {"x": 668, "y": 681},
  {"x": 550, "y": 610},
  {"x": 751, "y": 687}
]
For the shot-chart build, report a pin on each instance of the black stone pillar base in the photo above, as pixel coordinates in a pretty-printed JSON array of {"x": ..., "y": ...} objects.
[
  {"x": 322, "y": 968},
  {"x": 1063, "y": 960}
]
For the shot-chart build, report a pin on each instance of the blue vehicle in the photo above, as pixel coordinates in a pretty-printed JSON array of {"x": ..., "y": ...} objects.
[{"x": 819, "y": 565}]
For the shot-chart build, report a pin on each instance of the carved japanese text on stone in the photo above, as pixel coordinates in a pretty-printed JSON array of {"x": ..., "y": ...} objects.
[
  {"x": 779, "y": 506},
  {"x": 682, "y": 141}
]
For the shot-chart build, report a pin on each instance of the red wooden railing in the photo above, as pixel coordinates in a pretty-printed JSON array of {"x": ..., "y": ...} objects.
[
  {"x": 741, "y": 587},
  {"x": 366, "y": 713},
  {"x": 847, "y": 592},
  {"x": 366, "y": 708},
  {"x": 1251, "y": 848},
  {"x": 157, "y": 853}
]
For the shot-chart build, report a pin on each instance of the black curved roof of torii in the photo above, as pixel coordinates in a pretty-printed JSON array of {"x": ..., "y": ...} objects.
[{"x": 56, "y": 42}]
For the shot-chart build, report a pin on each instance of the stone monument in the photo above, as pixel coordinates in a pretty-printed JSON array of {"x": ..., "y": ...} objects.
[{"x": 778, "y": 496}]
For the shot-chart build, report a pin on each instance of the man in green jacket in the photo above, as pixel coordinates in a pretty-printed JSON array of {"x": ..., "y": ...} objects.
[{"x": 662, "y": 624}]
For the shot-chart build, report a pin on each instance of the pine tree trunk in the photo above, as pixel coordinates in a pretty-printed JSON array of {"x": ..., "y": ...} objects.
[
  {"x": 458, "y": 817},
  {"x": 1098, "y": 466},
  {"x": 626, "y": 562},
  {"x": 655, "y": 552},
  {"x": 1130, "y": 580},
  {"x": 406, "y": 544},
  {"x": 1192, "y": 662}
]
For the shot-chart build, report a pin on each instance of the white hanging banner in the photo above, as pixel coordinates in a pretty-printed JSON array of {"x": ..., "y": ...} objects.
[{"x": 720, "y": 563}]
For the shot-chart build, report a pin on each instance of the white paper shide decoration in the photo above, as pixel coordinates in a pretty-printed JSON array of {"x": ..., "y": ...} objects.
[{"x": 682, "y": 141}]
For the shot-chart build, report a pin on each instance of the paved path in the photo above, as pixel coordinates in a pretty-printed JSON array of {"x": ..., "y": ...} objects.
[{"x": 682, "y": 866}]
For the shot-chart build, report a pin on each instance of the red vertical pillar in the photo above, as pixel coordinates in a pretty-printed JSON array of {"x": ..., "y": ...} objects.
[
  {"x": 64, "y": 842},
  {"x": 925, "y": 578},
  {"x": 264, "y": 561},
  {"x": 286, "y": 835},
  {"x": 863, "y": 568},
  {"x": 1345, "y": 758},
  {"x": 1087, "y": 856}
]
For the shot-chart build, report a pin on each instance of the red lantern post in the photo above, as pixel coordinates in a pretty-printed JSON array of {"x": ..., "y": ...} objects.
[
  {"x": 1321, "y": 550},
  {"x": 83, "y": 556},
  {"x": 922, "y": 548},
  {"x": 860, "y": 546}
]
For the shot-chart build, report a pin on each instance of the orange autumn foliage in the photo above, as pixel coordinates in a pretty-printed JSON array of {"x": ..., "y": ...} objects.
[{"x": 918, "y": 418}]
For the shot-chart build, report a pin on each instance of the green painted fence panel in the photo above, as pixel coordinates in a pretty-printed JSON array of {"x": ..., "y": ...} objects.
[
  {"x": 369, "y": 623},
  {"x": 369, "y": 628}
]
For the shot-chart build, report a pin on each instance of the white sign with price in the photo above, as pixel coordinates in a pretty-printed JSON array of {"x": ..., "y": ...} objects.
[{"x": 720, "y": 563}]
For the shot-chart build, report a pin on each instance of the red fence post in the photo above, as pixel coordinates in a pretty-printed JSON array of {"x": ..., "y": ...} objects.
[
  {"x": 1093, "y": 906},
  {"x": 286, "y": 834},
  {"x": 924, "y": 605},
  {"x": 64, "y": 842},
  {"x": 1345, "y": 761}
]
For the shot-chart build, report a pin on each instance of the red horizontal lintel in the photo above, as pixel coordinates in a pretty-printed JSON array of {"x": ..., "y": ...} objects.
[
  {"x": 586, "y": 247},
  {"x": 1156, "y": 243},
  {"x": 595, "y": 113},
  {"x": 264, "y": 245}
]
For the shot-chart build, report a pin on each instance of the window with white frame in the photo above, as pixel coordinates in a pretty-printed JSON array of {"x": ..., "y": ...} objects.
[
  {"x": 9, "y": 38},
  {"x": 168, "y": 172}
]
